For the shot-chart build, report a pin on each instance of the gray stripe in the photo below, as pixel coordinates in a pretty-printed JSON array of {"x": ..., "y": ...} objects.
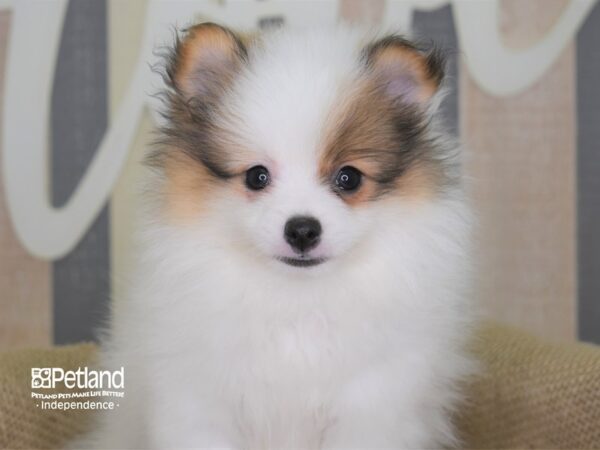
[
  {"x": 588, "y": 176},
  {"x": 438, "y": 26},
  {"x": 79, "y": 118}
]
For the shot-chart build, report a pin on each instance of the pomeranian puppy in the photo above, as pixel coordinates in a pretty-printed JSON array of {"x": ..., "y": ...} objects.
[{"x": 304, "y": 251}]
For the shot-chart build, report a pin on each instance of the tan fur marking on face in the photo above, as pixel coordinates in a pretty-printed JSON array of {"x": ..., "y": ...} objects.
[
  {"x": 188, "y": 185},
  {"x": 357, "y": 113},
  {"x": 418, "y": 183},
  {"x": 359, "y": 134},
  {"x": 366, "y": 193},
  {"x": 415, "y": 185}
]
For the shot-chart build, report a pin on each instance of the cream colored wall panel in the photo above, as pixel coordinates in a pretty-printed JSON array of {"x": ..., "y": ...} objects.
[
  {"x": 25, "y": 282},
  {"x": 362, "y": 11},
  {"x": 523, "y": 164},
  {"x": 126, "y": 24},
  {"x": 523, "y": 23}
]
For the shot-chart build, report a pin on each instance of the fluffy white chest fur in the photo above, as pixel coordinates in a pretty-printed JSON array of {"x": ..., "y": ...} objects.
[{"x": 304, "y": 257}]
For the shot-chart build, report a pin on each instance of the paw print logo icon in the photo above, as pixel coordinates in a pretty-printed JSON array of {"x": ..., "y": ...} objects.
[{"x": 41, "y": 378}]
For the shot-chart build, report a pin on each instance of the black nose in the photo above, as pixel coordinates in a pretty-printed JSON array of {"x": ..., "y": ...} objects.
[{"x": 302, "y": 233}]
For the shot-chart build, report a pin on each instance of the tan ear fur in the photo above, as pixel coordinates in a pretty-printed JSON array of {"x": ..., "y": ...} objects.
[
  {"x": 407, "y": 72},
  {"x": 206, "y": 59}
]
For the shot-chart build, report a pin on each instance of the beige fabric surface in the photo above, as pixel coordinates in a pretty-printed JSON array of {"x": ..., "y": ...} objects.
[
  {"x": 22, "y": 424},
  {"x": 529, "y": 394}
]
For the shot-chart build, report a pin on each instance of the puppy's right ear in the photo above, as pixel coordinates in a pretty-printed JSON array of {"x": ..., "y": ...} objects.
[
  {"x": 408, "y": 74},
  {"x": 205, "y": 60}
]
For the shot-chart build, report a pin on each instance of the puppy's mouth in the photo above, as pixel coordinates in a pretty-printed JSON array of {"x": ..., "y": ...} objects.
[{"x": 301, "y": 262}]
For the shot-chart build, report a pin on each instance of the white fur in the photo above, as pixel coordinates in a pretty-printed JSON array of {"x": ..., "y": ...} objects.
[{"x": 226, "y": 347}]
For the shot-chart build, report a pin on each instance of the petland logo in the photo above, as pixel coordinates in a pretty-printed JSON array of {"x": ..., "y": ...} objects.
[
  {"x": 86, "y": 383},
  {"x": 82, "y": 378}
]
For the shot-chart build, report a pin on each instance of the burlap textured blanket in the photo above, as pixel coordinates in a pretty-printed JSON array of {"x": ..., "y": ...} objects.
[{"x": 529, "y": 394}]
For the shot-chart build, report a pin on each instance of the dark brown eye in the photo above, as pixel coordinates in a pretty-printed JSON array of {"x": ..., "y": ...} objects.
[
  {"x": 257, "y": 178},
  {"x": 348, "y": 179}
]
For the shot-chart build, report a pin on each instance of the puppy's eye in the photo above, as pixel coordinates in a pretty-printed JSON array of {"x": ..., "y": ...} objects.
[
  {"x": 257, "y": 178},
  {"x": 348, "y": 179}
]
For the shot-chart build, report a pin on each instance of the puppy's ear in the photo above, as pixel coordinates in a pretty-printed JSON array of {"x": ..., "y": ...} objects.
[
  {"x": 205, "y": 60},
  {"x": 407, "y": 73}
]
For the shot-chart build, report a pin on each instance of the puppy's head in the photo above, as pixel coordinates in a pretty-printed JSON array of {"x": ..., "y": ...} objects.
[{"x": 289, "y": 149}]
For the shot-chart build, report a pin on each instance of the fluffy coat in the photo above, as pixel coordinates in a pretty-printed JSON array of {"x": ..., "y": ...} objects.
[{"x": 226, "y": 346}]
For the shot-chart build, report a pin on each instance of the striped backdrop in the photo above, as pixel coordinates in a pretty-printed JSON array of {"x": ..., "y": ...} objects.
[{"x": 532, "y": 155}]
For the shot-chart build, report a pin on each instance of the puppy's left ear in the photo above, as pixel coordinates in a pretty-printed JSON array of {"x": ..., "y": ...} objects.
[
  {"x": 407, "y": 73},
  {"x": 205, "y": 60}
]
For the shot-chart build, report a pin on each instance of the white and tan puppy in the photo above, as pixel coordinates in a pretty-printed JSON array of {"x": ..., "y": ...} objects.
[{"x": 304, "y": 252}]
